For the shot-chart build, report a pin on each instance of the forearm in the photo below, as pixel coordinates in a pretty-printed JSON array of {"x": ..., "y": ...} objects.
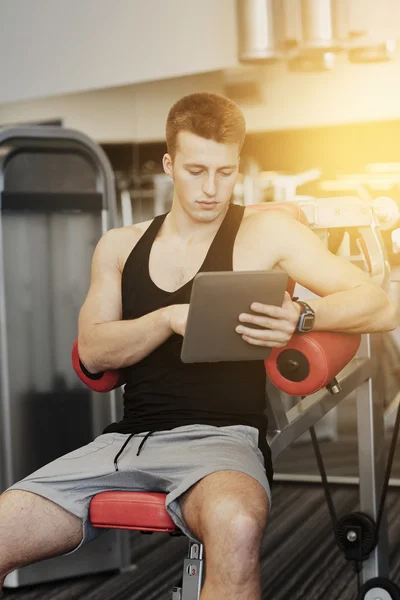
[
  {"x": 363, "y": 309},
  {"x": 119, "y": 344}
]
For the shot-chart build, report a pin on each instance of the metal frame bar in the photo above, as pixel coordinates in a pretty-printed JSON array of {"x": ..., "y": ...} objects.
[
  {"x": 58, "y": 139},
  {"x": 290, "y": 425},
  {"x": 371, "y": 456}
]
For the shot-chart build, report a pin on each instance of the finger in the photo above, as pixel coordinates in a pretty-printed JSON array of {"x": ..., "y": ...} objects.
[
  {"x": 259, "y": 307},
  {"x": 264, "y": 334},
  {"x": 266, "y": 344},
  {"x": 267, "y": 322},
  {"x": 287, "y": 299},
  {"x": 277, "y": 312}
]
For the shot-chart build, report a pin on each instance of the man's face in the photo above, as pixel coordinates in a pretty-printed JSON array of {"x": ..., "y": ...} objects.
[{"x": 204, "y": 174}]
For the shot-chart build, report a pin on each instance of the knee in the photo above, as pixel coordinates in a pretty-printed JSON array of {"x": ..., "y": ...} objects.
[
  {"x": 232, "y": 541},
  {"x": 233, "y": 523}
]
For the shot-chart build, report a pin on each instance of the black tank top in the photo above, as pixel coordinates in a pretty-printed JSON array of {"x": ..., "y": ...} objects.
[{"x": 161, "y": 391}]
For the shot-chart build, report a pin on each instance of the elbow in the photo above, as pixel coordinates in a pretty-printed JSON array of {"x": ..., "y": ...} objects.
[
  {"x": 87, "y": 356},
  {"x": 393, "y": 316},
  {"x": 389, "y": 314},
  {"x": 396, "y": 319}
]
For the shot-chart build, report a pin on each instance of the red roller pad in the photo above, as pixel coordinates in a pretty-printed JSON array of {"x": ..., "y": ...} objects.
[
  {"x": 321, "y": 355},
  {"x": 108, "y": 381}
]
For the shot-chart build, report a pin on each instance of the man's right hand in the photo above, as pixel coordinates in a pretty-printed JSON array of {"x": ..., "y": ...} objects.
[{"x": 177, "y": 315}]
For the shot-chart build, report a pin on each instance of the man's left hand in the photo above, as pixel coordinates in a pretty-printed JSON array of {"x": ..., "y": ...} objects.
[{"x": 278, "y": 323}]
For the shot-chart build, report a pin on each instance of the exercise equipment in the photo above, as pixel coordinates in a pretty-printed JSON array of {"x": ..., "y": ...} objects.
[
  {"x": 57, "y": 198},
  {"x": 351, "y": 214},
  {"x": 310, "y": 362},
  {"x": 358, "y": 532},
  {"x": 105, "y": 381},
  {"x": 252, "y": 187},
  {"x": 379, "y": 588}
]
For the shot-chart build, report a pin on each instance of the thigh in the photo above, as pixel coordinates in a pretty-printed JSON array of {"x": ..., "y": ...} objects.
[
  {"x": 73, "y": 478},
  {"x": 71, "y": 481}
]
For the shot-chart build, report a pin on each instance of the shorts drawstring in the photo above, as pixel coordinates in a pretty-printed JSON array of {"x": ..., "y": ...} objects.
[{"x": 126, "y": 442}]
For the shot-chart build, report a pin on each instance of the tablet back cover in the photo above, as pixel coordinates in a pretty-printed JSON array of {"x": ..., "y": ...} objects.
[{"x": 217, "y": 300}]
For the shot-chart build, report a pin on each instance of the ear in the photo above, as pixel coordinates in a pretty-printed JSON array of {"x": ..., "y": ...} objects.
[{"x": 168, "y": 165}]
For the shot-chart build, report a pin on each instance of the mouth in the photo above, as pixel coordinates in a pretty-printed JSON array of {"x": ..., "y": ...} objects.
[{"x": 207, "y": 204}]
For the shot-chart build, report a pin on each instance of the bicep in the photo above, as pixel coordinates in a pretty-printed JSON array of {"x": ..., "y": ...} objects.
[
  {"x": 103, "y": 300},
  {"x": 307, "y": 261}
]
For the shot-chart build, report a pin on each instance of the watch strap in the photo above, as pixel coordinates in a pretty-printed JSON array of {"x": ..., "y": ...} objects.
[{"x": 306, "y": 311}]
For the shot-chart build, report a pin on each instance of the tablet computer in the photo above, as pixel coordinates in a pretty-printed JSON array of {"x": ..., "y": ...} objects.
[{"x": 216, "y": 301}]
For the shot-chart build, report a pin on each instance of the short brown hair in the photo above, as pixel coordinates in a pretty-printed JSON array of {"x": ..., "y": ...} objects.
[{"x": 207, "y": 115}]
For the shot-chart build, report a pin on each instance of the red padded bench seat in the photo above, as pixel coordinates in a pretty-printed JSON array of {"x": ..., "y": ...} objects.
[{"x": 144, "y": 511}]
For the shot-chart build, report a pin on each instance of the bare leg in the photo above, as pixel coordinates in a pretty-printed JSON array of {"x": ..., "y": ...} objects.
[
  {"x": 235, "y": 577},
  {"x": 33, "y": 528},
  {"x": 227, "y": 511}
]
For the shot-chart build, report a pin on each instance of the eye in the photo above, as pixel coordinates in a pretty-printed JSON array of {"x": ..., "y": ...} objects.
[
  {"x": 195, "y": 172},
  {"x": 226, "y": 173}
]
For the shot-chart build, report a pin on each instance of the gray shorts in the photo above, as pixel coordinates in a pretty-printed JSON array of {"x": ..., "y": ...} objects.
[{"x": 169, "y": 461}]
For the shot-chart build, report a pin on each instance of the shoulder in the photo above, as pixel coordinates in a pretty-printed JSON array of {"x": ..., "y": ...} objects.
[
  {"x": 119, "y": 242},
  {"x": 272, "y": 210},
  {"x": 276, "y": 222},
  {"x": 276, "y": 233}
]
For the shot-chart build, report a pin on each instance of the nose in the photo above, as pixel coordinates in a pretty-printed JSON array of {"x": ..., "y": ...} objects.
[{"x": 209, "y": 185}]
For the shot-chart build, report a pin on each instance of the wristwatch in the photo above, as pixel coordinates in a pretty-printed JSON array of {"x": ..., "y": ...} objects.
[{"x": 306, "y": 318}]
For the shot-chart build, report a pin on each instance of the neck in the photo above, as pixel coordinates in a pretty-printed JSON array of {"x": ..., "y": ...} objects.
[{"x": 180, "y": 224}]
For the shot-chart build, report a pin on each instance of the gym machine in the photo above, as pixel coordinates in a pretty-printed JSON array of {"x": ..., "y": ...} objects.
[
  {"x": 362, "y": 536},
  {"x": 57, "y": 198}
]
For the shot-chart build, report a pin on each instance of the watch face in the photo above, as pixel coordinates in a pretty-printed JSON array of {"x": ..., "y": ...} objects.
[{"x": 308, "y": 322}]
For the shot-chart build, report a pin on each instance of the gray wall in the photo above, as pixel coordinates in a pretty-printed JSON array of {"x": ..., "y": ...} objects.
[{"x": 50, "y": 47}]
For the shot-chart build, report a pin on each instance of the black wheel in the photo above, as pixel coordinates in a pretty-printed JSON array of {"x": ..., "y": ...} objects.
[
  {"x": 379, "y": 588},
  {"x": 356, "y": 535}
]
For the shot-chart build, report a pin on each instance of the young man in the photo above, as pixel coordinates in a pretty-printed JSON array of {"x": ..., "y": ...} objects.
[{"x": 207, "y": 447}]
